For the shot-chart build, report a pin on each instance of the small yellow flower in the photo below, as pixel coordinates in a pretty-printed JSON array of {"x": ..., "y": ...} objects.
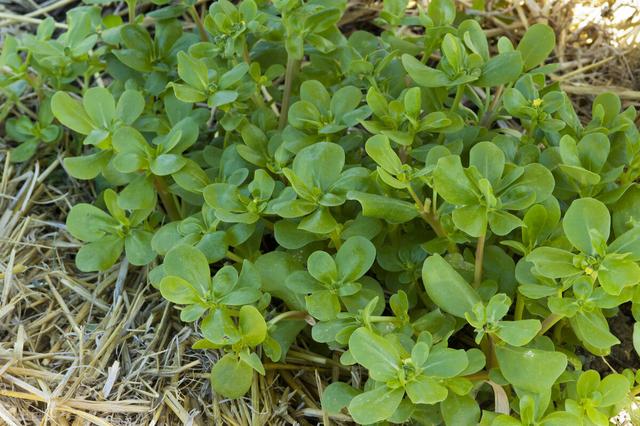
[
  {"x": 588, "y": 270},
  {"x": 537, "y": 102}
]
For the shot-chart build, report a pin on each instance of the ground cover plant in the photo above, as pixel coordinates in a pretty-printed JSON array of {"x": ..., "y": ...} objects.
[{"x": 424, "y": 203}]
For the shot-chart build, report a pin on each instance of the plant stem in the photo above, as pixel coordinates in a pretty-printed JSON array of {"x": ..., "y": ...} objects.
[
  {"x": 300, "y": 315},
  {"x": 380, "y": 318},
  {"x": 168, "y": 202},
  {"x": 196, "y": 18},
  {"x": 517, "y": 315},
  {"x": 477, "y": 272},
  {"x": 256, "y": 96},
  {"x": 487, "y": 117},
  {"x": 431, "y": 219},
  {"x": 315, "y": 358},
  {"x": 458, "y": 98},
  {"x": 481, "y": 375},
  {"x": 488, "y": 348},
  {"x": 131, "y": 6},
  {"x": 549, "y": 322},
  {"x": 232, "y": 256},
  {"x": 335, "y": 239},
  {"x": 290, "y": 73}
]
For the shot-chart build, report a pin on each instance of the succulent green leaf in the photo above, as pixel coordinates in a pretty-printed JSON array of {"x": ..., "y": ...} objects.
[
  {"x": 354, "y": 258},
  {"x": 426, "y": 390},
  {"x": 375, "y": 353},
  {"x": 375, "y": 405},
  {"x": 381, "y": 207},
  {"x": 231, "y": 377},
  {"x": 586, "y": 219},
  {"x": 190, "y": 264},
  {"x": 379, "y": 149},
  {"x": 446, "y": 288},
  {"x": 71, "y": 113},
  {"x": 99, "y": 255},
  {"x": 520, "y": 365},
  {"x": 423, "y": 75},
  {"x": 536, "y": 45}
]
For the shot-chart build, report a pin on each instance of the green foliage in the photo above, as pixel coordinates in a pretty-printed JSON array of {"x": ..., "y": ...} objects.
[
  {"x": 430, "y": 205},
  {"x": 29, "y": 134}
]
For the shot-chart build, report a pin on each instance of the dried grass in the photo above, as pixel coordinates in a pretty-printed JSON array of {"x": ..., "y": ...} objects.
[{"x": 106, "y": 349}]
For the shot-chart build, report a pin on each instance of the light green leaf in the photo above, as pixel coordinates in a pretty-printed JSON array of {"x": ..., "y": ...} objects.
[
  {"x": 375, "y": 405},
  {"x": 520, "y": 365},
  {"x": 488, "y": 159},
  {"x": 314, "y": 92},
  {"x": 138, "y": 195},
  {"x": 189, "y": 264},
  {"x": 518, "y": 333},
  {"x": 233, "y": 76},
  {"x": 460, "y": 410},
  {"x": 426, "y": 390},
  {"x": 614, "y": 389},
  {"x": 253, "y": 360},
  {"x": 319, "y": 165},
  {"x": 379, "y": 149},
  {"x": 355, "y": 258},
  {"x": 442, "y": 12},
  {"x": 627, "y": 243},
  {"x": 452, "y": 183},
  {"x": 501, "y": 69},
  {"x": 447, "y": 288},
  {"x": 585, "y": 219},
  {"x": 231, "y": 377},
  {"x": 593, "y": 150},
  {"x": 471, "y": 219},
  {"x": 166, "y": 164},
  {"x": 100, "y": 106},
  {"x": 593, "y": 330},
  {"x": 322, "y": 267},
  {"x": 502, "y": 222},
  {"x": 88, "y": 223},
  {"x": 99, "y": 255},
  {"x": 337, "y": 396},
  {"x": 323, "y": 305},
  {"x": 222, "y": 97},
  {"x": 187, "y": 93},
  {"x": 615, "y": 274},
  {"x": 321, "y": 221},
  {"x": 193, "y": 72},
  {"x": 375, "y": 353},
  {"x": 252, "y": 326},
  {"x": 137, "y": 247},
  {"x": 130, "y": 106},
  {"x": 446, "y": 363},
  {"x": 553, "y": 262},
  {"x": 345, "y": 100},
  {"x": 423, "y": 75},
  {"x": 536, "y": 45},
  {"x": 87, "y": 166},
  {"x": 381, "y": 207},
  {"x": 71, "y": 113},
  {"x": 179, "y": 291},
  {"x": 218, "y": 327}
]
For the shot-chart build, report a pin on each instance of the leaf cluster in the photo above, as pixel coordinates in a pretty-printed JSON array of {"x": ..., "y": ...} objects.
[{"x": 427, "y": 205}]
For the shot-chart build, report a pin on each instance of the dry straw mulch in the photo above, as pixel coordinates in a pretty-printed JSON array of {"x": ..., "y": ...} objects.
[{"x": 106, "y": 349}]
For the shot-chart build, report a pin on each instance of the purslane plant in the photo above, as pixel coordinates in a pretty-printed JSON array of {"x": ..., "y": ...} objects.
[{"x": 428, "y": 203}]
